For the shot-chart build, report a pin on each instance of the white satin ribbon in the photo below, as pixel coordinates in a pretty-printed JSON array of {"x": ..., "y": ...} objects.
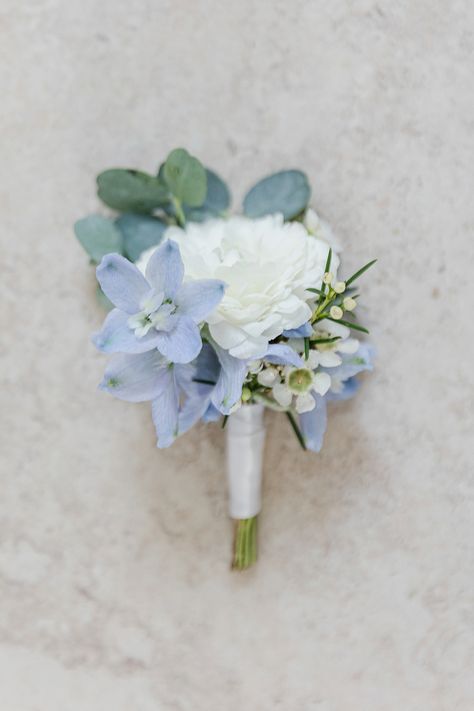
[{"x": 245, "y": 444}]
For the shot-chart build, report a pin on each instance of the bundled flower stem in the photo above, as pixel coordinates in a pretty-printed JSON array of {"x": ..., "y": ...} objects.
[{"x": 245, "y": 543}]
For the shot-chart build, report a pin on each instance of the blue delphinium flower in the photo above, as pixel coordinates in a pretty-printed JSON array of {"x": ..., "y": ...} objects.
[
  {"x": 344, "y": 385},
  {"x": 157, "y": 312}
]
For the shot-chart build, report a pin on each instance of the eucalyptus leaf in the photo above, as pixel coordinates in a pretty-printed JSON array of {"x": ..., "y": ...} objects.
[
  {"x": 287, "y": 192},
  {"x": 129, "y": 190},
  {"x": 186, "y": 177},
  {"x": 217, "y": 200},
  {"x": 98, "y": 236},
  {"x": 140, "y": 232}
]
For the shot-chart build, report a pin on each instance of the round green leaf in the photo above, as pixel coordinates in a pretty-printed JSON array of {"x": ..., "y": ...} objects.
[
  {"x": 98, "y": 236},
  {"x": 217, "y": 200},
  {"x": 287, "y": 192},
  {"x": 186, "y": 178},
  {"x": 131, "y": 190},
  {"x": 140, "y": 232}
]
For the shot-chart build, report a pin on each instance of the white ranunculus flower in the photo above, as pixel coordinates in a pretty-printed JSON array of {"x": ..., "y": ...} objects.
[
  {"x": 267, "y": 264},
  {"x": 320, "y": 228}
]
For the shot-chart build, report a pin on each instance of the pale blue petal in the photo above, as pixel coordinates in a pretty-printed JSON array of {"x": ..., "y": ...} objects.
[
  {"x": 122, "y": 283},
  {"x": 349, "y": 389},
  {"x": 116, "y": 336},
  {"x": 211, "y": 414},
  {"x": 165, "y": 409},
  {"x": 192, "y": 411},
  {"x": 313, "y": 424},
  {"x": 229, "y": 384},
  {"x": 198, "y": 299},
  {"x": 282, "y": 354},
  {"x": 165, "y": 269},
  {"x": 303, "y": 331},
  {"x": 353, "y": 363},
  {"x": 183, "y": 343},
  {"x": 207, "y": 364},
  {"x": 135, "y": 378}
]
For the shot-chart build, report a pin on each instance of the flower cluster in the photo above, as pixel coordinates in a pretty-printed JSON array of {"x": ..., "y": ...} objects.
[{"x": 229, "y": 311}]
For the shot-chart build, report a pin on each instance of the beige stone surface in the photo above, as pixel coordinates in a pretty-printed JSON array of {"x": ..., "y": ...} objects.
[{"x": 115, "y": 591}]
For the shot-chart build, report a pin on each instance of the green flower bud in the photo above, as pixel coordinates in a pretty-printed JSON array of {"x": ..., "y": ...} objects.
[{"x": 246, "y": 394}]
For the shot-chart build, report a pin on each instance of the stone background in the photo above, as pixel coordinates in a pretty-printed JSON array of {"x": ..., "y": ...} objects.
[{"x": 115, "y": 590}]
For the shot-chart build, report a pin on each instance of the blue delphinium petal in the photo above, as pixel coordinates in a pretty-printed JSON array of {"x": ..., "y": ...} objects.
[
  {"x": 192, "y": 411},
  {"x": 303, "y": 331},
  {"x": 165, "y": 269},
  {"x": 349, "y": 389},
  {"x": 207, "y": 364},
  {"x": 212, "y": 414},
  {"x": 183, "y": 343},
  {"x": 199, "y": 298},
  {"x": 313, "y": 424},
  {"x": 353, "y": 363},
  {"x": 122, "y": 283},
  {"x": 282, "y": 354},
  {"x": 229, "y": 384},
  {"x": 116, "y": 336},
  {"x": 165, "y": 409},
  {"x": 135, "y": 378}
]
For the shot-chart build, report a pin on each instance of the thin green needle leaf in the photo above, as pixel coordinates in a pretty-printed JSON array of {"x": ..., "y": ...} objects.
[
  {"x": 323, "y": 286},
  {"x": 306, "y": 348},
  {"x": 360, "y": 272},
  {"x": 325, "y": 340},
  {"x": 296, "y": 429},
  {"x": 224, "y": 421},
  {"x": 355, "y": 326},
  {"x": 315, "y": 291}
]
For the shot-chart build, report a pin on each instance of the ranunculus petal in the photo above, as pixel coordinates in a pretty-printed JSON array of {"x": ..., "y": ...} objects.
[
  {"x": 122, "y": 283},
  {"x": 183, "y": 343},
  {"x": 313, "y": 425},
  {"x": 198, "y": 298},
  {"x": 116, "y": 336},
  {"x": 165, "y": 269},
  {"x": 135, "y": 378}
]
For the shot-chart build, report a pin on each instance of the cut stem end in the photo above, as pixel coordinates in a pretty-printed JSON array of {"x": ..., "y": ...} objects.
[{"x": 245, "y": 543}]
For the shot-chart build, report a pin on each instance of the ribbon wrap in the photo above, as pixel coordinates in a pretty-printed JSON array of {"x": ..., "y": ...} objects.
[{"x": 245, "y": 444}]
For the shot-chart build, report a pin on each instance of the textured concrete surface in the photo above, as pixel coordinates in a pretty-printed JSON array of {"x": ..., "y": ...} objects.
[{"x": 114, "y": 581}]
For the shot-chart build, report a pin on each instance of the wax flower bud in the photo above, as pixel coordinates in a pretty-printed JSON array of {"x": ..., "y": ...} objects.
[
  {"x": 246, "y": 394},
  {"x": 336, "y": 312},
  {"x": 339, "y": 287},
  {"x": 327, "y": 278},
  {"x": 349, "y": 303}
]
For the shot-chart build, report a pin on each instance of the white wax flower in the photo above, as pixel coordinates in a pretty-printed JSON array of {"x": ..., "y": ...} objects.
[{"x": 267, "y": 264}]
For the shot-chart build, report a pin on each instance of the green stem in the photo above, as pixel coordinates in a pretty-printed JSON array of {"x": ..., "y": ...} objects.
[
  {"x": 245, "y": 543},
  {"x": 180, "y": 216}
]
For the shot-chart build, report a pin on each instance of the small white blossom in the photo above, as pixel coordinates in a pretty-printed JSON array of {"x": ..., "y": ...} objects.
[
  {"x": 336, "y": 312},
  {"x": 349, "y": 303},
  {"x": 268, "y": 377}
]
